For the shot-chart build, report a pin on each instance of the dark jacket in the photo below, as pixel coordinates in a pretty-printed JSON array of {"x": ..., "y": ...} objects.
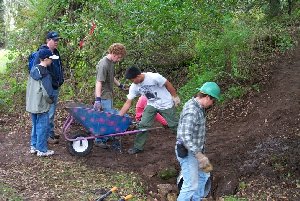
[{"x": 55, "y": 69}]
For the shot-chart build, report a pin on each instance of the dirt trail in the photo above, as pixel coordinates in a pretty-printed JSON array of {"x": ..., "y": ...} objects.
[
  {"x": 253, "y": 141},
  {"x": 263, "y": 132}
]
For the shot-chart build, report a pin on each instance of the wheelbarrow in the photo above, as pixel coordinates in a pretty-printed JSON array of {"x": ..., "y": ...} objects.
[{"x": 97, "y": 124}]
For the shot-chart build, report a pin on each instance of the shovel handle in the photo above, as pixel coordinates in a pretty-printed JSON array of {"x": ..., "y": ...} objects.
[
  {"x": 126, "y": 198},
  {"x": 113, "y": 189}
]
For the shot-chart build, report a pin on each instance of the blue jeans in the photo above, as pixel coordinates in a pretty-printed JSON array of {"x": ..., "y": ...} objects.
[
  {"x": 107, "y": 106},
  {"x": 194, "y": 179},
  {"x": 52, "y": 113},
  {"x": 39, "y": 132}
]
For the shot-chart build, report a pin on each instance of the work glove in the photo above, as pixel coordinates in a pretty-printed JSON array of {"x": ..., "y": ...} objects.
[
  {"x": 50, "y": 99},
  {"x": 208, "y": 168},
  {"x": 123, "y": 87},
  {"x": 176, "y": 100},
  {"x": 204, "y": 163},
  {"x": 98, "y": 106}
]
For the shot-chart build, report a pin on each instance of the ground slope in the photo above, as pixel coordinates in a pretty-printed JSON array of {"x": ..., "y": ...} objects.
[{"x": 253, "y": 143}]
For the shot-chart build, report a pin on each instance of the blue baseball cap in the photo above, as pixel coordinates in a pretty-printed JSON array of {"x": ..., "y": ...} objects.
[
  {"x": 53, "y": 35},
  {"x": 46, "y": 53}
]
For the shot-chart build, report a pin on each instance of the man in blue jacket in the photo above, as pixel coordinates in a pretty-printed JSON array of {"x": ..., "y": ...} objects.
[{"x": 57, "y": 75}]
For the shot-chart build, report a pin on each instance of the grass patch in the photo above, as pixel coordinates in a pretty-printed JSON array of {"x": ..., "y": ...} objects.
[
  {"x": 59, "y": 180},
  {"x": 82, "y": 183},
  {"x": 8, "y": 193},
  {"x": 233, "y": 198}
]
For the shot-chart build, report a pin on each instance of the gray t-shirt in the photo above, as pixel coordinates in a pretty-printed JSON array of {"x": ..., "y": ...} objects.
[{"x": 105, "y": 74}]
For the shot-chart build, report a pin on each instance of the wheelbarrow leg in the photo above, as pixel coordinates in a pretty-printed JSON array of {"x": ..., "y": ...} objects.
[{"x": 117, "y": 144}]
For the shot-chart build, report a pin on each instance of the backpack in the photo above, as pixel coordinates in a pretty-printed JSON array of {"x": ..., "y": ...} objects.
[{"x": 31, "y": 59}]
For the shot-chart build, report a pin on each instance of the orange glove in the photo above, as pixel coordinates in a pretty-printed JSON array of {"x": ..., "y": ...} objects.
[{"x": 204, "y": 163}]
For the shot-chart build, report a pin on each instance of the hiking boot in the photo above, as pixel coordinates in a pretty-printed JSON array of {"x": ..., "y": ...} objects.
[
  {"x": 102, "y": 145},
  {"x": 52, "y": 140},
  {"x": 33, "y": 150},
  {"x": 134, "y": 150},
  {"x": 47, "y": 153}
]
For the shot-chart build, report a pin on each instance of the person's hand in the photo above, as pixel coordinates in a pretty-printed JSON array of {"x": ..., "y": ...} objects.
[
  {"x": 176, "y": 100},
  {"x": 202, "y": 159},
  {"x": 208, "y": 168},
  {"x": 98, "y": 106}
]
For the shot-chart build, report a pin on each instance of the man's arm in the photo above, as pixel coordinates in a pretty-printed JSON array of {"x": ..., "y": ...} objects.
[
  {"x": 120, "y": 85},
  {"x": 125, "y": 107},
  {"x": 172, "y": 91},
  {"x": 98, "y": 89},
  {"x": 117, "y": 82},
  {"x": 170, "y": 88}
]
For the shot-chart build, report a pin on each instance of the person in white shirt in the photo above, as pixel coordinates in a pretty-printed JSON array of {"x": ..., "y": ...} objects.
[{"x": 162, "y": 98}]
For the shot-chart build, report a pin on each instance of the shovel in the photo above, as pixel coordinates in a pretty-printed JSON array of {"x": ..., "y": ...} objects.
[{"x": 105, "y": 195}]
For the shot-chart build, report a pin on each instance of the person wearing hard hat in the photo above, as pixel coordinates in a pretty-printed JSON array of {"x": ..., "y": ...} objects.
[{"x": 195, "y": 166}]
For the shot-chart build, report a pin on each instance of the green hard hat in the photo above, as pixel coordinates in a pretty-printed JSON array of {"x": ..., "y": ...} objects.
[{"x": 211, "y": 88}]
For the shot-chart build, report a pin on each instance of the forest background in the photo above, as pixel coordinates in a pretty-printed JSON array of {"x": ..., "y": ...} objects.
[{"x": 189, "y": 42}]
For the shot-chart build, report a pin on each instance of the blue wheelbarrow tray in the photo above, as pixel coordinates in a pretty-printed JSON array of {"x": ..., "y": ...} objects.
[{"x": 99, "y": 123}]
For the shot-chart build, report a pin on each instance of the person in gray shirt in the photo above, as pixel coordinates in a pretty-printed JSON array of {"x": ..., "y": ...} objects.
[{"x": 105, "y": 81}]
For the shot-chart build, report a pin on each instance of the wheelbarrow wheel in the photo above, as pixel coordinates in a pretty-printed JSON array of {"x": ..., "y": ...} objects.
[{"x": 80, "y": 147}]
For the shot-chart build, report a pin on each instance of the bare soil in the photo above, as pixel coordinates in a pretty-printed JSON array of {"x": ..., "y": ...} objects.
[{"x": 252, "y": 142}]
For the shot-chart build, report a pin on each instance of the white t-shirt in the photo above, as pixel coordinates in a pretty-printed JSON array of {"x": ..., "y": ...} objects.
[{"x": 153, "y": 87}]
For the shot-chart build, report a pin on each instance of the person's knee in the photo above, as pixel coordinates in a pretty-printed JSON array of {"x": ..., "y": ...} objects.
[{"x": 144, "y": 124}]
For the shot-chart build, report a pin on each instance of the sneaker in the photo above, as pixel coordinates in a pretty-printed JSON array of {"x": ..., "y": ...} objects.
[
  {"x": 52, "y": 140},
  {"x": 101, "y": 144},
  {"x": 33, "y": 150},
  {"x": 134, "y": 150},
  {"x": 56, "y": 136},
  {"x": 48, "y": 153}
]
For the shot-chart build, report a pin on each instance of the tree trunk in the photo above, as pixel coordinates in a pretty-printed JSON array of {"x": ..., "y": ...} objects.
[
  {"x": 289, "y": 7},
  {"x": 274, "y": 8}
]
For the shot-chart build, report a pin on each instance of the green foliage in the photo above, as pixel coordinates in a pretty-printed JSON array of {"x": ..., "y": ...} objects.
[
  {"x": 2, "y": 25},
  {"x": 242, "y": 186},
  {"x": 235, "y": 91},
  {"x": 167, "y": 173},
  {"x": 11, "y": 87},
  {"x": 213, "y": 39},
  {"x": 196, "y": 81},
  {"x": 3, "y": 60}
]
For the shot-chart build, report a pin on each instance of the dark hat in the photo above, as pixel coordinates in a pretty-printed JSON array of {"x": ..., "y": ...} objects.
[
  {"x": 132, "y": 72},
  {"x": 53, "y": 35},
  {"x": 46, "y": 53}
]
